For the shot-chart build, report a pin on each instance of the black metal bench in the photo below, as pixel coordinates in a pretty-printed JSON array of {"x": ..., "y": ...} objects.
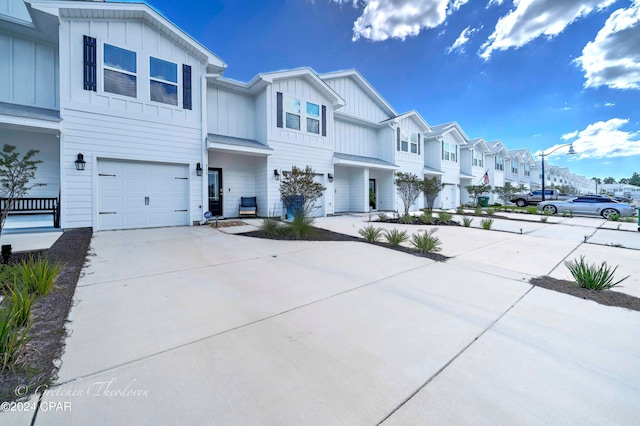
[{"x": 34, "y": 206}]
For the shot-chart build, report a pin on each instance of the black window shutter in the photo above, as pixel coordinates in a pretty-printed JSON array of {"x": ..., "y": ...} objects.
[
  {"x": 90, "y": 79},
  {"x": 418, "y": 143},
  {"x": 324, "y": 120},
  {"x": 279, "y": 109},
  {"x": 398, "y": 137},
  {"x": 187, "y": 101}
]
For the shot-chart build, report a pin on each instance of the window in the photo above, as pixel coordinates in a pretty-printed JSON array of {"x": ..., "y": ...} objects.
[
  {"x": 478, "y": 158},
  {"x": 499, "y": 163},
  {"x": 404, "y": 142},
  {"x": 414, "y": 143},
  {"x": 449, "y": 151},
  {"x": 514, "y": 168},
  {"x": 120, "y": 71},
  {"x": 313, "y": 118},
  {"x": 292, "y": 113},
  {"x": 163, "y": 81},
  {"x": 527, "y": 170}
]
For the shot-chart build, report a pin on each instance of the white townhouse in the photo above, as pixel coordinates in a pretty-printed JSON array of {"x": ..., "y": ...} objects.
[
  {"x": 118, "y": 89},
  {"x": 495, "y": 160},
  {"x": 525, "y": 168},
  {"x": 442, "y": 150},
  {"x": 473, "y": 166},
  {"x": 513, "y": 166},
  {"x": 372, "y": 142}
]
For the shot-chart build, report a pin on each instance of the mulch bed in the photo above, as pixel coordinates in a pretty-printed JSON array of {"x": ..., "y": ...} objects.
[
  {"x": 320, "y": 234},
  {"x": 603, "y": 297},
  {"x": 37, "y": 364},
  {"x": 226, "y": 223}
]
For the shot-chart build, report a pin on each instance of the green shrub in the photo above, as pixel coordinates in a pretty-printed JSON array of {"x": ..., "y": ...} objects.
[
  {"x": 570, "y": 213},
  {"x": 478, "y": 211},
  {"x": 382, "y": 217},
  {"x": 12, "y": 337},
  {"x": 592, "y": 277},
  {"x": 38, "y": 275},
  {"x": 532, "y": 210},
  {"x": 427, "y": 218},
  {"x": 491, "y": 211},
  {"x": 466, "y": 221},
  {"x": 19, "y": 303},
  {"x": 544, "y": 219},
  {"x": 407, "y": 220},
  {"x": 486, "y": 223},
  {"x": 300, "y": 226},
  {"x": 444, "y": 216},
  {"x": 614, "y": 217},
  {"x": 547, "y": 213},
  {"x": 395, "y": 237},
  {"x": 426, "y": 242},
  {"x": 460, "y": 210},
  {"x": 271, "y": 226},
  {"x": 370, "y": 233}
]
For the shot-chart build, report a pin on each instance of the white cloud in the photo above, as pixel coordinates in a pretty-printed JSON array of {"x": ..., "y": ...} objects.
[
  {"x": 494, "y": 3},
  {"x": 613, "y": 58},
  {"x": 384, "y": 19},
  {"x": 531, "y": 19},
  {"x": 609, "y": 104},
  {"x": 605, "y": 139},
  {"x": 462, "y": 39}
]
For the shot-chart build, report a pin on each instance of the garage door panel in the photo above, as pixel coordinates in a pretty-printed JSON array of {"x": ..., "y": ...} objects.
[{"x": 141, "y": 195}]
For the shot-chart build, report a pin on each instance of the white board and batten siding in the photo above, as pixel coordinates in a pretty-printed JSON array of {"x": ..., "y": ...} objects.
[
  {"x": 298, "y": 147},
  {"x": 28, "y": 72},
  {"x": 351, "y": 138},
  {"x": 106, "y": 126},
  {"x": 358, "y": 102},
  {"x": 409, "y": 162},
  {"x": 230, "y": 113}
]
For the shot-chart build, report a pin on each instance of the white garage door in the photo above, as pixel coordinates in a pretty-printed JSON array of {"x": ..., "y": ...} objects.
[{"x": 142, "y": 195}]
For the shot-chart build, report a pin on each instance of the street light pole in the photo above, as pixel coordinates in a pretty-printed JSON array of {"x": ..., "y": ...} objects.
[{"x": 542, "y": 154}]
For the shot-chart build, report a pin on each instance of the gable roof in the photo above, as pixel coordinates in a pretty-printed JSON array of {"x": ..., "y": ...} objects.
[
  {"x": 497, "y": 147},
  {"x": 478, "y": 143},
  {"x": 262, "y": 80},
  {"x": 364, "y": 85},
  {"x": 453, "y": 126},
  {"x": 141, "y": 11},
  {"x": 415, "y": 116}
]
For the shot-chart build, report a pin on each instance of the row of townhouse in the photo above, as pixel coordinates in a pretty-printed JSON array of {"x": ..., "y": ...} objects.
[{"x": 162, "y": 136}]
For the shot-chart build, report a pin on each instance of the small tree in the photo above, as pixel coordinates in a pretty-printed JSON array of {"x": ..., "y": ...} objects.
[
  {"x": 409, "y": 188},
  {"x": 431, "y": 188},
  {"x": 15, "y": 174},
  {"x": 477, "y": 190},
  {"x": 300, "y": 183},
  {"x": 506, "y": 192}
]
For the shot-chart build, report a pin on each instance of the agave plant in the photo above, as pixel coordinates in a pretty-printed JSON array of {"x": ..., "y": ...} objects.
[
  {"x": 426, "y": 242},
  {"x": 592, "y": 276},
  {"x": 395, "y": 237},
  {"x": 370, "y": 233}
]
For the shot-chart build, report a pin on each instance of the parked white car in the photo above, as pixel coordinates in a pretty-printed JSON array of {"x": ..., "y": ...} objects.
[{"x": 596, "y": 205}]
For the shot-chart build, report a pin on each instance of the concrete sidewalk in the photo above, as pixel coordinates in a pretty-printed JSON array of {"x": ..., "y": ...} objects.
[{"x": 199, "y": 326}]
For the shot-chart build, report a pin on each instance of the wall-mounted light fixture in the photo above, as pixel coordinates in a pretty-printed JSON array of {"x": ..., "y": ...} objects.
[
  {"x": 198, "y": 169},
  {"x": 276, "y": 174},
  {"x": 330, "y": 176},
  {"x": 80, "y": 163}
]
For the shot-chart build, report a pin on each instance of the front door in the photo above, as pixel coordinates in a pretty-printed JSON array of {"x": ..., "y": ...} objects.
[
  {"x": 373, "y": 199},
  {"x": 215, "y": 192}
]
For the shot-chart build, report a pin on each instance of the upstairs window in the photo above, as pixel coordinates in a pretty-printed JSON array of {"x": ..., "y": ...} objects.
[
  {"x": 404, "y": 142},
  {"x": 527, "y": 170},
  {"x": 478, "y": 158},
  {"x": 313, "y": 118},
  {"x": 449, "y": 151},
  {"x": 514, "y": 168},
  {"x": 120, "y": 71},
  {"x": 499, "y": 163},
  {"x": 163, "y": 80},
  {"x": 414, "y": 143},
  {"x": 292, "y": 113}
]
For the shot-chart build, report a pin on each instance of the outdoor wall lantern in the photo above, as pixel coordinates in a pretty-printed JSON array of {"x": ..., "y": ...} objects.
[
  {"x": 276, "y": 174},
  {"x": 80, "y": 163},
  {"x": 330, "y": 176},
  {"x": 198, "y": 169}
]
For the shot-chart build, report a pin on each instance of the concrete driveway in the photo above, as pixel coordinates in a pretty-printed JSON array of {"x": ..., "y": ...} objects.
[{"x": 196, "y": 326}]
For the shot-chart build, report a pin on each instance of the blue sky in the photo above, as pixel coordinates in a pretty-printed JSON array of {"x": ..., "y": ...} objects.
[{"x": 532, "y": 73}]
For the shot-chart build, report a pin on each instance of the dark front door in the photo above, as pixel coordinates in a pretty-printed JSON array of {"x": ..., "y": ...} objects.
[
  {"x": 215, "y": 191},
  {"x": 373, "y": 198}
]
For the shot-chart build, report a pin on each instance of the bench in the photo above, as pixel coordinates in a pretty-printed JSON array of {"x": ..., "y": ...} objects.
[{"x": 34, "y": 206}]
